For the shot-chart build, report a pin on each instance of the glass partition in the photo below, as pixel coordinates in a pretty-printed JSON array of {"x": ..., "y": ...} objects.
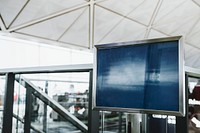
[{"x": 112, "y": 122}]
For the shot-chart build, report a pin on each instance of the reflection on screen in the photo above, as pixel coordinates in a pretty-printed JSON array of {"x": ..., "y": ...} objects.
[{"x": 138, "y": 76}]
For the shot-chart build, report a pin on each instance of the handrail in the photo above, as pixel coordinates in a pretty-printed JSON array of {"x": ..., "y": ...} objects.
[
  {"x": 48, "y": 69},
  {"x": 22, "y": 121}
]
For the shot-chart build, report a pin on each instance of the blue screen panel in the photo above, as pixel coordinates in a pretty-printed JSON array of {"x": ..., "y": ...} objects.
[{"x": 144, "y": 76}]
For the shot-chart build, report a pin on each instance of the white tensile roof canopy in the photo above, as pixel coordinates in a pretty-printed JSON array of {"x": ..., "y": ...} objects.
[{"x": 84, "y": 23}]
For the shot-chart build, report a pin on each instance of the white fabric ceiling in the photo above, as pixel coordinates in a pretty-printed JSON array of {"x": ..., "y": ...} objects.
[{"x": 83, "y": 23}]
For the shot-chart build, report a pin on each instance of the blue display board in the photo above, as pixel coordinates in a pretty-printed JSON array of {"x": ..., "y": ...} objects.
[{"x": 143, "y": 76}]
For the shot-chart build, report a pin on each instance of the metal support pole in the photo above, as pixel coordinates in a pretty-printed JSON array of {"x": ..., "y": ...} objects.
[
  {"x": 120, "y": 122},
  {"x": 45, "y": 110},
  {"x": 182, "y": 122},
  {"x": 93, "y": 115},
  {"x": 144, "y": 123},
  {"x": 133, "y": 123},
  {"x": 28, "y": 109},
  {"x": 8, "y": 103}
]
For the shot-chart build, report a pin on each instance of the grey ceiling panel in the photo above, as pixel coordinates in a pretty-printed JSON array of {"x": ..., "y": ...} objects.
[
  {"x": 54, "y": 28},
  {"x": 9, "y": 9},
  {"x": 192, "y": 56},
  {"x": 133, "y": 8},
  {"x": 78, "y": 33},
  {"x": 193, "y": 37},
  {"x": 179, "y": 20},
  {"x": 103, "y": 25},
  {"x": 156, "y": 34},
  {"x": 36, "y": 9}
]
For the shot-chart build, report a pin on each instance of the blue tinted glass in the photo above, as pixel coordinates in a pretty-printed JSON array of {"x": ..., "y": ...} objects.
[{"x": 138, "y": 76}]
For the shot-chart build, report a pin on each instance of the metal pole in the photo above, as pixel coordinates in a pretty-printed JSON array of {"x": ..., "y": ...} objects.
[
  {"x": 133, "y": 123},
  {"x": 182, "y": 122},
  {"x": 28, "y": 109},
  {"x": 45, "y": 110},
  {"x": 144, "y": 123},
  {"x": 120, "y": 122},
  {"x": 93, "y": 115},
  {"x": 8, "y": 103}
]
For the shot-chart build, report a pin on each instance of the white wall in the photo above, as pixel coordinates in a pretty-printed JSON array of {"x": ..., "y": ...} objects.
[{"x": 19, "y": 53}]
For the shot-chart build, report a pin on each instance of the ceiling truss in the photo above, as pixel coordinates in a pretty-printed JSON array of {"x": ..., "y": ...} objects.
[
  {"x": 2, "y": 24},
  {"x": 152, "y": 27}
]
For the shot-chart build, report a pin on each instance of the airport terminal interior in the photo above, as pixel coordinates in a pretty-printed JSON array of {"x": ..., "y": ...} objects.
[{"x": 60, "y": 58}]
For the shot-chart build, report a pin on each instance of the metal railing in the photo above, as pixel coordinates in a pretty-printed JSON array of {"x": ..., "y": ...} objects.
[{"x": 32, "y": 89}]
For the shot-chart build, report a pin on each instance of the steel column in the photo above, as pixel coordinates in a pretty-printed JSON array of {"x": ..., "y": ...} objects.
[
  {"x": 28, "y": 110},
  {"x": 182, "y": 122},
  {"x": 93, "y": 115},
  {"x": 8, "y": 103},
  {"x": 45, "y": 110}
]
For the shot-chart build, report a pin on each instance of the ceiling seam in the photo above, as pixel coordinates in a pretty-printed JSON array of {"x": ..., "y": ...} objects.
[
  {"x": 195, "y": 3},
  {"x": 167, "y": 22},
  {"x": 196, "y": 62},
  {"x": 192, "y": 45},
  {"x": 178, "y": 27},
  {"x": 33, "y": 22},
  {"x": 26, "y": 3},
  {"x": 189, "y": 57},
  {"x": 161, "y": 32},
  {"x": 99, "y": 1},
  {"x": 155, "y": 12},
  {"x": 172, "y": 10},
  {"x": 186, "y": 42},
  {"x": 124, "y": 17},
  {"x": 71, "y": 24},
  {"x": 48, "y": 39},
  {"x": 196, "y": 32},
  {"x": 2, "y": 24},
  {"x": 192, "y": 28},
  {"x": 121, "y": 15},
  {"x": 48, "y": 17},
  {"x": 193, "y": 60},
  {"x": 91, "y": 22}
]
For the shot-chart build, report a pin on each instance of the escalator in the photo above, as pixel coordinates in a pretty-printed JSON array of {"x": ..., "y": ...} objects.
[
  {"x": 22, "y": 121},
  {"x": 42, "y": 96}
]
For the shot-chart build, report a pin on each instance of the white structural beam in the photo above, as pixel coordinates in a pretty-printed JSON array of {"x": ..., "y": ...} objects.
[
  {"x": 51, "y": 16},
  {"x": 91, "y": 24},
  {"x": 192, "y": 28},
  {"x": 21, "y": 10},
  {"x": 156, "y": 10},
  {"x": 2, "y": 24},
  {"x": 197, "y": 3},
  {"x": 48, "y": 17},
  {"x": 71, "y": 24},
  {"x": 47, "y": 41},
  {"x": 192, "y": 45},
  {"x": 171, "y": 12},
  {"x": 117, "y": 13},
  {"x": 124, "y": 17}
]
